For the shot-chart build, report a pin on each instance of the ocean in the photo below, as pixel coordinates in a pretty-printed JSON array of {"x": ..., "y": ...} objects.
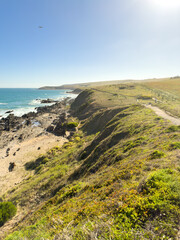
[{"x": 24, "y": 100}]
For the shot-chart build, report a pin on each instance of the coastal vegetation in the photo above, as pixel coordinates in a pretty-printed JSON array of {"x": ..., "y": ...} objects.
[
  {"x": 116, "y": 178},
  {"x": 7, "y": 211}
]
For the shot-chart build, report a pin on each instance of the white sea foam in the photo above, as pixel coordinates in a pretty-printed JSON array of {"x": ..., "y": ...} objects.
[
  {"x": 20, "y": 111},
  {"x": 67, "y": 95},
  {"x": 35, "y": 102},
  {"x": 31, "y": 106},
  {"x": 17, "y": 112}
]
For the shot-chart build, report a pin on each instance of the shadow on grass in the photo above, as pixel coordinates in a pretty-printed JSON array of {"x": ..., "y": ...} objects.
[{"x": 36, "y": 165}]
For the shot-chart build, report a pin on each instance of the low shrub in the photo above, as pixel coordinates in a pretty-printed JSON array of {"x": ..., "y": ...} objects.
[
  {"x": 7, "y": 211},
  {"x": 144, "y": 97},
  {"x": 157, "y": 154},
  {"x": 132, "y": 144},
  {"x": 158, "y": 201},
  {"x": 33, "y": 165},
  {"x": 175, "y": 145},
  {"x": 173, "y": 128},
  {"x": 83, "y": 155},
  {"x": 71, "y": 125}
]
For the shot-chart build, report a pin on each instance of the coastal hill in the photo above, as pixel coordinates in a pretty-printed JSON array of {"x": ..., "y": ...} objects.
[
  {"x": 96, "y": 84},
  {"x": 116, "y": 176},
  {"x": 83, "y": 85}
]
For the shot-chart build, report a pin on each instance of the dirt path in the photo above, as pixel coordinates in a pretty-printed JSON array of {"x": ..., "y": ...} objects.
[
  {"x": 175, "y": 121},
  {"x": 163, "y": 114}
]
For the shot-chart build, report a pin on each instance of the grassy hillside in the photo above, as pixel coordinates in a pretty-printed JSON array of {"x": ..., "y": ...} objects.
[
  {"x": 117, "y": 178},
  {"x": 84, "y": 85},
  {"x": 168, "y": 94}
]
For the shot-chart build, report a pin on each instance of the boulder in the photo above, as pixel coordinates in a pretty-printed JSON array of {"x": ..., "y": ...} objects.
[
  {"x": 59, "y": 130},
  {"x": 48, "y": 101},
  {"x": 10, "y": 111},
  {"x": 50, "y": 129},
  {"x": 21, "y": 137}
]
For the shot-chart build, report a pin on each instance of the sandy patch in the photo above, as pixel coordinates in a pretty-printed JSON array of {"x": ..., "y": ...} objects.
[{"x": 20, "y": 153}]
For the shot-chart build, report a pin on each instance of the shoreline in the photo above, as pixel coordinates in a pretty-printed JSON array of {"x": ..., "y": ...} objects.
[
  {"x": 24, "y": 139},
  {"x": 22, "y": 101},
  {"x": 46, "y": 102},
  {"x": 15, "y": 124}
]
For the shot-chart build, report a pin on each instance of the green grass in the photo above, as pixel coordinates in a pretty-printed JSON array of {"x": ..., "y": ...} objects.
[
  {"x": 72, "y": 125},
  {"x": 157, "y": 154},
  {"x": 121, "y": 182},
  {"x": 7, "y": 211},
  {"x": 167, "y": 92}
]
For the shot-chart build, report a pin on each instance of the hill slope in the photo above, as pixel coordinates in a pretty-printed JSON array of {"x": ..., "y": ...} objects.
[{"x": 117, "y": 177}]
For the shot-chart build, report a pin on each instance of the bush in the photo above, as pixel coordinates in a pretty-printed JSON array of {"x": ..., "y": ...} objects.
[
  {"x": 83, "y": 155},
  {"x": 175, "y": 145},
  {"x": 156, "y": 202},
  {"x": 173, "y": 128},
  {"x": 72, "y": 125},
  {"x": 132, "y": 144},
  {"x": 34, "y": 165},
  {"x": 157, "y": 154},
  {"x": 7, "y": 211},
  {"x": 143, "y": 97}
]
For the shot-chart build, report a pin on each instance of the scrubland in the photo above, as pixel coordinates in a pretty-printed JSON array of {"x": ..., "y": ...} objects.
[{"x": 118, "y": 177}]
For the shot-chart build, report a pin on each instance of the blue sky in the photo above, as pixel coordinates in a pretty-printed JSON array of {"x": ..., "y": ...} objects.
[{"x": 87, "y": 40}]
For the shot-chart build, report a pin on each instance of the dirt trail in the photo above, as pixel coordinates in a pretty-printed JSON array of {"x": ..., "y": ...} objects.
[
  {"x": 175, "y": 121},
  {"x": 163, "y": 114}
]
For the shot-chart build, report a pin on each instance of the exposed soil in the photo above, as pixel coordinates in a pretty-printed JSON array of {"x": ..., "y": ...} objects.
[
  {"x": 30, "y": 149},
  {"x": 163, "y": 114},
  {"x": 24, "y": 139},
  {"x": 19, "y": 145}
]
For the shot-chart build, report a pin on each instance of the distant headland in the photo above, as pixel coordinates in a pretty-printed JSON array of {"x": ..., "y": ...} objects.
[{"x": 84, "y": 85}]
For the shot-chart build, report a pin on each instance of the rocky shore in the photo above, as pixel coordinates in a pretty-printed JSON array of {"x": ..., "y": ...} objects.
[
  {"x": 23, "y": 139},
  {"x": 46, "y": 119}
]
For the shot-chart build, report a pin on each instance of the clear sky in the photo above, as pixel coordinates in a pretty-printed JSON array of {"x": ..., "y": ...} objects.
[{"x": 87, "y": 40}]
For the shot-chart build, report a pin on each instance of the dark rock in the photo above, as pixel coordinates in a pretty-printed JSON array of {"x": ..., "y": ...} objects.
[
  {"x": 70, "y": 135},
  {"x": 29, "y": 115},
  {"x": 50, "y": 129},
  {"x": 11, "y": 166},
  {"x": 7, "y": 150},
  {"x": 21, "y": 137},
  {"x": 28, "y": 122},
  {"x": 63, "y": 117},
  {"x": 48, "y": 101},
  {"x": 59, "y": 130},
  {"x": 9, "y": 111},
  {"x": 19, "y": 126},
  {"x": 10, "y": 122},
  {"x": 74, "y": 129},
  {"x": 50, "y": 109},
  {"x": 55, "y": 122}
]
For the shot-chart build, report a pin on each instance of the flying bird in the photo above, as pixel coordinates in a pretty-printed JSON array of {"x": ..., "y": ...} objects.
[{"x": 40, "y": 27}]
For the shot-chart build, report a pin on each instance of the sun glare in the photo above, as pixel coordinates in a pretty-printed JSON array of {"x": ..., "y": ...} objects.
[{"x": 166, "y": 4}]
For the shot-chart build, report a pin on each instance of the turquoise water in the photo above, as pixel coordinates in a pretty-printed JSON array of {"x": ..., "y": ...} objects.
[{"x": 23, "y": 100}]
